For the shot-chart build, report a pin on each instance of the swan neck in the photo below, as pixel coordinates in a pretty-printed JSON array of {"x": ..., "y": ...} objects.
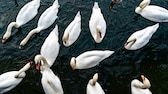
[
  {"x": 9, "y": 29},
  {"x": 25, "y": 40},
  {"x": 45, "y": 63},
  {"x": 25, "y": 68}
]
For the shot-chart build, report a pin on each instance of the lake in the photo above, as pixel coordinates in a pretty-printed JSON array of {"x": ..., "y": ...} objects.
[{"x": 115, "y": 72}]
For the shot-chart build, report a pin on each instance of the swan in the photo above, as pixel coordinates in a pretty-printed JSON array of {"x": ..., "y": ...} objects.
[
  {"x": 50, "y": 82},
  {"x": 137, "y": 87},
  {"x": 89, "y": 59},
  {"x": 97, "y": 24},
  {"x": 140, "y": 38},
  {"x": 152, "y": 12},
  {"x": 47, "y": 18},
  {"x": 27, "y": 13},
  {"x": 50, "y": 47},
  {"x": 73, "y": 30},
  {"x": 114, "y": 2},
  {"x": 93, "y": 87},
  {"x": 11, "y": 79}
]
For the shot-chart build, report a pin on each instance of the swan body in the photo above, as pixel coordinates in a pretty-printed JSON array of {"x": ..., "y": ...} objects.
[
  {"x": 152, "y": 12},
  {"x": 140, "y": 38},
  {"x": 97, "y": 24},
  {"x": 50, "y": 82},
  {"x": 10, "y": 80},
  {"x": 47, "y": 18},
  {"x": 137, "y": 87},
  {"x": 89, "y": 59},
  {"x": 93, "y": 87},
  {"x": 27, "y": 13},
  {"x": 73, "y": 30},
  {"x": 50, "y": 47}
]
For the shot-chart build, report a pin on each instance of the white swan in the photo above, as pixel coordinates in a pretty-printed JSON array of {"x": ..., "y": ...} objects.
[
  {"x": 140, "y": 38},
  {"x": 73, "y": 30},
  {"x": 50, "y": 82},
  {"x": 27, "y": 13},
  {"x": 11, "y": 79},
  {"x": 89, "y": 59},
  {"x": 50, "y": 47},
  {"x": 97, "y": 24},
  {"x": 46, "y": 20},
  {"x": 93, "y": 87},
  {"x": 152, "y": 12},
  {"x": 137, "y": 87}
]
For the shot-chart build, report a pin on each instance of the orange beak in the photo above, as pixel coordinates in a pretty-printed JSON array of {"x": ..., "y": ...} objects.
[
  {"x": 143, "y": 77},
  {"x": 38, "y": 66}
]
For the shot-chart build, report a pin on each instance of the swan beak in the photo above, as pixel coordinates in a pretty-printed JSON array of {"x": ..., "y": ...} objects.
[
  {"x": 111, "y": 5},
  {"x": 38, "y": 66},
  {"x": 3, "y": 41},
  {"x": 21, "y": 46},
  {"x": 100, "y": 35},
  {"x": 143, "y": 77}
]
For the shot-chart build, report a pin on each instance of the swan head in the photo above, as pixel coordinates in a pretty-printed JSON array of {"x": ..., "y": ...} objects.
[
  {"x": 5, "y": 37},
  {"x": 22, "y": 44},
  {"x": 65, "y": 39},
  {"x": 99, "y": 34},
  {"x": 130, "y": 42},
  {"x": 21, "y": 73},
  {"x": 37, "y": 61},
  {"x": 94, "y": 79},
  {"x": 146, "y": 82},
  {"x": 144, "y": 3},
  {"x": 73, "y": 63}
]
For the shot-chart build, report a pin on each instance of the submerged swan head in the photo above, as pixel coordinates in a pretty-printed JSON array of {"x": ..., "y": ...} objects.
[
  {"x": 5, "y": 37},
  {"x": 94, "y": 79},
  {"x": 73, "y": 63},
  {"x": 65, "y": 38},
  {"x": 130, "y": 42},
  {"x": 99, "y": 34}
]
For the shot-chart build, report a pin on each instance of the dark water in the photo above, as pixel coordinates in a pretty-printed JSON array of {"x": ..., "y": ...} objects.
[{"x": 116, "y": 72}]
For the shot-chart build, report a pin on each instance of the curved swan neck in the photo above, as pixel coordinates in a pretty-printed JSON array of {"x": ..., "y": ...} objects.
[
  {"x": 25, "y": 68},
  {"x": 9, "y": 30},
  {"x": 26, "y": 39}
]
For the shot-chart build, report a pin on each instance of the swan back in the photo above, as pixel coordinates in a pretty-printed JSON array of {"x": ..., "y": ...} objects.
[
  {"x": 50, "y": 47},
  {"x": 97, "y": 21},
  {"x": 28, "y": 12},
  {"x": 141, "y": 37},
  {"x": 94, "y": 88},
  {"x": 73, "y": 30},
  {"x": 51, "y": 83},
  {"x": 49, "y": 16},
  {"x": 90, "y": 58},
  {"x": 136, "y": 90}
]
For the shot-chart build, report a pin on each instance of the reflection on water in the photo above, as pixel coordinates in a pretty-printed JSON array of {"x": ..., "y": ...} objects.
[{"x": 116, "y": 72}]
